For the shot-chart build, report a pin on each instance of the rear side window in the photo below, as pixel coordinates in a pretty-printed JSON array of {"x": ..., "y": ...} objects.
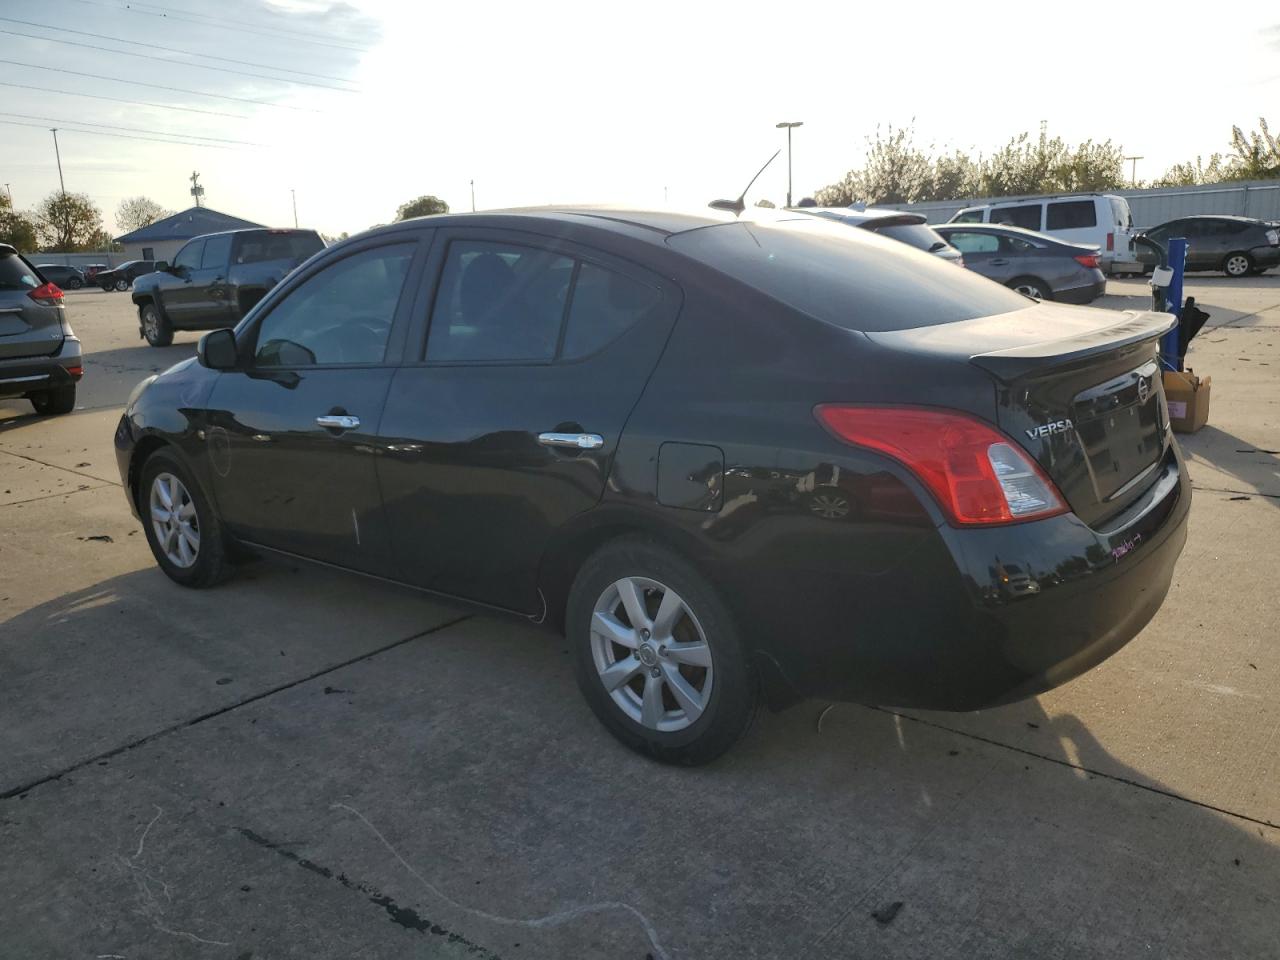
[
  {"x": 282, "y": 245},
  {"x": 975, "y": 242},
  {"x": 605, "y": 304},
  {"x": 499, "y": 301},
  {"x": 217, "y": 251},
  {"x": 1026, "y": 216},
  {"x": 1071, "y": 215},
  {"x": 919, "y": 235},
  {"x": 16, "y": 275},
  {"x": 850, "y": 278}
]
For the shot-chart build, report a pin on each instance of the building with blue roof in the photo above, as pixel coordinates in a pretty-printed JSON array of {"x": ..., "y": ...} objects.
[{"x": 164, "y": 238}]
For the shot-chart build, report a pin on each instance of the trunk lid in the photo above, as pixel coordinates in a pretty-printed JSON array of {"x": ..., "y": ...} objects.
[
  {"x": 27, "y": 328},
  {"x": 1078, "y": 388}
]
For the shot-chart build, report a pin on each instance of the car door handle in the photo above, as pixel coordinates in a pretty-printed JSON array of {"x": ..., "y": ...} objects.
[
  {"x": 335, "y": 421},
  {"x": 1000, "y": 262},
  {"x": 577, "y": 441}
]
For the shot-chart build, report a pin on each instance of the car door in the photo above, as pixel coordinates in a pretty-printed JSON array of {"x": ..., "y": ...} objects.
[
  {"x": 536, "y": 351},
  {"x": 981, "y": 252},
  {"x": 209, "y": 306},
  {"x": 291, "y": 431},
  {"x": 178, "y": 294}
]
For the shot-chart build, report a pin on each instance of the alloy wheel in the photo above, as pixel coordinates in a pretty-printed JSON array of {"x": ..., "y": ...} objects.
[
  {"x": 150, "y": 324},
  {"x": 1030, "y": 290},
  {"x": 174, "y": 520},
  {"x": 651, "y": 654},
  {"x": 1237, "y": 265},
  {"x": 122, "y": 285},
  {"x": 830, "y": 506}
]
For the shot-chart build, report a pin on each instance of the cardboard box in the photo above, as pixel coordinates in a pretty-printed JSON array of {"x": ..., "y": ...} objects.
[{"x": 1188, "y": 398}]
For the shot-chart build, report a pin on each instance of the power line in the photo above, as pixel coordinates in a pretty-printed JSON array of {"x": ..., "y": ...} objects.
[
  {"x": 170, "y": 60},
  {"x": 135, "y": 103},
  {"x": 119, "y": 136},
  {"x": 160, "y": 46},
  {"x": 168, "y": 11},
  {"x": 157, "y": 86},
  {"x": 235, "y": 25},
  {"x": 112, "y": 126}
]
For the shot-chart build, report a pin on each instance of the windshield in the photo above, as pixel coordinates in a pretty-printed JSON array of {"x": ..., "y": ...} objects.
[
  {"x": 851, "y": 278},
  {"x": 919, "y": 235}
]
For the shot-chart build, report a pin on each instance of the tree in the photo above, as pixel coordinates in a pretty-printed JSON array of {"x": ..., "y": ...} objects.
[
  {"x": 1192, "y": 174},
  {"x": 424, "y": 206},
  {"x": 895, "y": 171},
  {"x": 954, "y": 177},
  {"x": 103, "y": 242},
  {"x": 135, "y": 213},
  {"x": 1257, "y": 154},
  {"x": 66, "y": 221},
  {"x": 16, "y": 229},
  {"x": 766, "y": 203}
]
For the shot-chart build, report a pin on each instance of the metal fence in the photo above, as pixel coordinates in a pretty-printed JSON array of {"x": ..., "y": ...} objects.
[{"x": 1244, "y": 198}]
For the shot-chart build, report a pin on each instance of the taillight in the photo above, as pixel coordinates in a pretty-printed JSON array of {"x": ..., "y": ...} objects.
[
  {"x": 1111, "y": 241},
  {"x": 1089, "y": 260},
  {"x": 50, "y": 295},
  {"x": 976, "y": 473}
]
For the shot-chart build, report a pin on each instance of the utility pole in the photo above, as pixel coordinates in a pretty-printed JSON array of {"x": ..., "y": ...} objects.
[
  {"x": 9, "y": 191},
  {"x": 789, "y": 127},
  {"x": 294, "y": 193},
  {"x": 57, "y": 153},
  {"x": 197, "y": 191},
  {"x": 1133, "y": 170},
  {"x": 473, "y": 196}
]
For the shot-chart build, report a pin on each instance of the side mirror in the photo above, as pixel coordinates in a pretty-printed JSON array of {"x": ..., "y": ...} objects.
[
  {"x": 162, "y": 265},
  {"x": 217, "y": 350}
]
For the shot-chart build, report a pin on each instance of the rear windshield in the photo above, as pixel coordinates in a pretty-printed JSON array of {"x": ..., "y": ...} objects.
[
  {"x": 16, "y": 275},
  {"x": 919, "y": 235},
  {"x": 851, "y": 278},
  {"x": 287, "y": 245}
]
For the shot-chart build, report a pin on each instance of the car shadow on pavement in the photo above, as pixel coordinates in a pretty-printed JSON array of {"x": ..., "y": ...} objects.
[
  {"x": 1256, "y": 468},
  {"x": 827, "y": 832}
]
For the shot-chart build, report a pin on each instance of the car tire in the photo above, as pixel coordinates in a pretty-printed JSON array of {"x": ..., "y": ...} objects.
[
  {"x": 74, "y": 284},
  {"x": 1031, "y": 287},
  {"x": 55, "y": 402},
  {"x": 686, "y": 708},
  {"x": 156, "y": 328},
  {"x": 106, "y": 287},
  {"x": 122, "y": 285},
  {"x": 1237, "y": 264},
  {"x": 174, "y": 509}
]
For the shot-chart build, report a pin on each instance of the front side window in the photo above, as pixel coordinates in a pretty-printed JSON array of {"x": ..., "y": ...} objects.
[
  {"x": 1026, "y": 216},
  {"x": 499, "y": 302},
  {"x": 974, "y": 242},
  {"x": 1071, "y": 215},
  {"x": 217, "y": 251},
  {"x": 342, "y": 314},
  {"x": 189, "y": 256}
]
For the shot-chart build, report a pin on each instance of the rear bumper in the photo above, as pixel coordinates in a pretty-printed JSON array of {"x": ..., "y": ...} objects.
[
  {"x": 1265, "y": 257},
  {"x": 23, "y": 375},
  {"x": 976, "y": 618},
  {"x": 1086, "y": 293}
]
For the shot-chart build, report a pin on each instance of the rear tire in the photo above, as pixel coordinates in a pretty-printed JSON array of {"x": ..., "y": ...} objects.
[
  {"x": 122, "y": 285},
  {"x": 155, "y": 326},
  {"x": 1031, "y": 287},
  {"x": 681, "y": 688},
  {"x": 55, "y": 402},
  {"x": 182, "y": 528},
  {"x": 74, "y": 284},
  {"x": 1237, "y": 265}
]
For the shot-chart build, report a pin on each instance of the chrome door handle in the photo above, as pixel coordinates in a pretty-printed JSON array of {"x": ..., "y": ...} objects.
[
  {"x": 578, "y": 441},
  {"x": 336, "y": 422}
]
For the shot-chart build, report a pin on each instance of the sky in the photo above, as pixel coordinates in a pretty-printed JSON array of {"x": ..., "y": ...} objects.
[{"x": 361, "y": 105}]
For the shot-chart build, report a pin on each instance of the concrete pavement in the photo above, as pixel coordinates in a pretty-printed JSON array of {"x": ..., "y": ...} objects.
[{"x": 300, "y": 764}]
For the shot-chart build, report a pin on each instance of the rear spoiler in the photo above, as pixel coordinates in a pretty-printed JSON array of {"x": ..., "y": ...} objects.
[{"x": 1135, "y": 326}]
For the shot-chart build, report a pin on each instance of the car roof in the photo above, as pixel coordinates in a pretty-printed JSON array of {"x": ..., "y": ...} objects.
[{"x": 864, "y": 216}]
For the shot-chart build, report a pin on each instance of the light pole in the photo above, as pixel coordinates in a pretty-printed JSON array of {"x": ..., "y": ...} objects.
[
  {"x": 9, "y": 191},
  {"x": 1133, "y": 170},
  {"x": 294, "y": 194},
  {"x": 58, "y": 154},
  {"x": 789, "y": 127},
  {"x": 473, "y": 196}
]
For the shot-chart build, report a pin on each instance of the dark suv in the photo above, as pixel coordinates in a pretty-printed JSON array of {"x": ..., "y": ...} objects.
[
  {"x": 215, "y": 279},
  {"x": 1238, "y": 246},
  {"x": 122, "y": 277},
  {"x": 39, "y": 355},
  {"x": 68, "y": 278}
]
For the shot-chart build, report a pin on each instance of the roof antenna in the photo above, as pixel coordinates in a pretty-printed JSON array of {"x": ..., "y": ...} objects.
[{"x": 737, "y": 206}]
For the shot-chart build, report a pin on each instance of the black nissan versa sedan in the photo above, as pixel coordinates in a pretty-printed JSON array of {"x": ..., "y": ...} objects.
[{"x": 734, "y": 459}]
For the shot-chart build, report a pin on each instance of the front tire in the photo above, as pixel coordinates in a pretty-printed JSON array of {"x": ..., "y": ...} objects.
[
  {"x": 182, "y": 528},
  {"x": 1031, "y": 287},
  {"x": 1237, "y": 265},
  {"x": 122, "y": 285},
  {"x": 657, "y": 654},
  {"x": 155, "y": 326},
  {"x": 54, "y": 402}
]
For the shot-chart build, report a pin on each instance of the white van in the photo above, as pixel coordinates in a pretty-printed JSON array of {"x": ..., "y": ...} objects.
[{"x": 1100, "y": 219}]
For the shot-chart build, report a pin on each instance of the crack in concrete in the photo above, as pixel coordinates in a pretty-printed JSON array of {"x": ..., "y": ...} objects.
[
  {"x": 54, "y": 466},
  {"x": 65, "y": 493},
  {"x": 20, "y": 791}
]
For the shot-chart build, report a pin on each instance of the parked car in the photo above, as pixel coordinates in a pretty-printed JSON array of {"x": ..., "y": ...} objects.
[
  {"x": 910, "y": 228},
  {"x": 121, "y": 278},
  {"x": 216, "y": 279},
  {"x": 1238, "y": 246},
  {"x": 92, "y": 270},
  {"x": 1095, "y": 219},
  {"x": 68, "y": 278},
  {"x": 1032, "y": 263},
  {"x": 40, "y": 356},
  {"x": 614, "y": 422}
]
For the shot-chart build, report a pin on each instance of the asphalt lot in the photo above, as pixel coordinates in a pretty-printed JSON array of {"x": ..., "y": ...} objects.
[{"x": 300, "y": 764}]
